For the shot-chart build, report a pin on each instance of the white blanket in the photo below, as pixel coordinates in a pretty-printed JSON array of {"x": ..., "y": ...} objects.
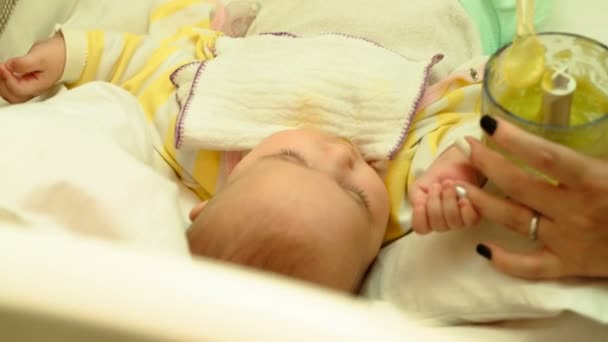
[
  {"x": 83, "y": 162},
  {"x": 413, "y": 28},
  {"x": 117, "y": 191}
]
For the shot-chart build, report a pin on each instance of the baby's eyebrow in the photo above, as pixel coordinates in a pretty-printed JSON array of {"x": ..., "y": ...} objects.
[{"x": 298, "y": 160}]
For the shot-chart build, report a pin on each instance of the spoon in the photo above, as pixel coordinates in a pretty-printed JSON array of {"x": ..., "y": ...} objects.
[{"x": 523, "y": 64}]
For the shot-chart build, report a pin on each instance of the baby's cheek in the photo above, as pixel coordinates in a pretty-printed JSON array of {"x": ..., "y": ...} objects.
[
  {"x": 366, "y": 178},
  {"x": 381, "y": 196},
  {"x": 380, "y": 167},
  {"x": 378, "y": 231}
]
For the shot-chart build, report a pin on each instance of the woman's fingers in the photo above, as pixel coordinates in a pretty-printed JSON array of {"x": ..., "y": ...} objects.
[
  {"x": 557, "y": 161},
  {"x": 542, "y": 264},
  {"x": 511, "y": 215},
  {"x": 516, "y": 183}
]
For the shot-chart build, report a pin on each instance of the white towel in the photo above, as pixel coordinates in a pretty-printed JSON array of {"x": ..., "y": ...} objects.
[
  {"x": 264, "y": 84},
  {"x": 413, "y": 28}
]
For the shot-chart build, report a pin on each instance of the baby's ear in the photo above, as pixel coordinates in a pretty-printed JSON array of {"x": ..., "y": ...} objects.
[
  {"x": 380, "y": 166},
  {"x": 197, "y": 210}
]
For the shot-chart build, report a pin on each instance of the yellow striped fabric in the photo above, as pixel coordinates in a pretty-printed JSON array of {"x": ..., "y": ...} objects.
[
  {"x": 433, "y": 130},
  {"x": 143, "y": 65}
]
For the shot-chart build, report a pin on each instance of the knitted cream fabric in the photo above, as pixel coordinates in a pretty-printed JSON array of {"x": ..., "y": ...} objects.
[
  {"x": 414, "y": 28},
  {"x": 264, "y": 84},
  {"x": 6, "y": 8}
]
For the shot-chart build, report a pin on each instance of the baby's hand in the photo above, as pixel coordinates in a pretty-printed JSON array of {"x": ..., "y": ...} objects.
[
  {"x": 24, "y": 78},
  {"x": 437, "y": 204}
]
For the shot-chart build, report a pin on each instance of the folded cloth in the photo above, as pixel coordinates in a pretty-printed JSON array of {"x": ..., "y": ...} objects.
[
  {"x": 343, "y": 85},
  {"x": 414, "y": 29},
  {"x": 84, "y": 164}
]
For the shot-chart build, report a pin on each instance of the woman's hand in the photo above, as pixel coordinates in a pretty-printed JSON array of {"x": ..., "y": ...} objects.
[
  {"x": 572, "y": 216},
  {"x": 26, "y": 77}
]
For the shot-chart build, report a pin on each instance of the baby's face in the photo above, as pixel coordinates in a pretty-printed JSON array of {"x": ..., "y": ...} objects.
[
  {"x": 334, "y": 163},
  {"x": 323, "y": 191},
  {"x": 333, "y": 183}
]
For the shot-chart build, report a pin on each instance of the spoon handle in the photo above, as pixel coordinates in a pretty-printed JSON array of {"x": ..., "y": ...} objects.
[{"x": 525, "y": 18}]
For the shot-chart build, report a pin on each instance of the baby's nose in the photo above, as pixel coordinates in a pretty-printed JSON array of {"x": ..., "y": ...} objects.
[{"x": 342, "y": 156}]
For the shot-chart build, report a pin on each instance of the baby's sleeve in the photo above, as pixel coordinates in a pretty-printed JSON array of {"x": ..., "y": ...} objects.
[
  {"x": 433, "y": 130},
  {"x": 120, "y": 57},
  {"x": 449, "y": 110},
  {"x": 439, "y": 130},
  {"x": 104, "y": 56}
]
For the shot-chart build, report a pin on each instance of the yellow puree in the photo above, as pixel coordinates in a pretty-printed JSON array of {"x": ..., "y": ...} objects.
[{"x": 589, "y": 102}]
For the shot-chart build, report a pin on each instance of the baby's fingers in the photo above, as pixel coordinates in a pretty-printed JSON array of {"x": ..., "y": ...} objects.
[
  {"x": 451, "y": 208},
  {"x": 434, "y": 209},
  {"x": 470, "y": 216},
  {"x": 19, "y": 88},
  {"x": 420, "y": 222},
  {"x": 27, "y": 64},
  {"x": 5, "y": 91}
]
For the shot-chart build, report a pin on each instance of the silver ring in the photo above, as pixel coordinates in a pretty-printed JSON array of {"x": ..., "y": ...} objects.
[{"x": 533, "y": 230}]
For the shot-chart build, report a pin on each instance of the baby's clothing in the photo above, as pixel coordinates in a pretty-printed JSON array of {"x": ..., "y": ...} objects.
[
  {"x": 153, "y": 67},
  {"x": 496, "y": 20},
  {"x": 232, "y": 19},
  {"x": 143, "y": 65},
  {"x": 449, "y": 110}
]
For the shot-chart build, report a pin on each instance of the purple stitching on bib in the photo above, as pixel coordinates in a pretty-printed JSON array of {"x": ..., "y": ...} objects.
[
  {"x": 427, "y": 73},
  {"x": 179, "y": 125}
]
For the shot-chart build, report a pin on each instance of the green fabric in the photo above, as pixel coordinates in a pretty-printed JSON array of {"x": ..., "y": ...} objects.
[{"x": 496, "y": 20}]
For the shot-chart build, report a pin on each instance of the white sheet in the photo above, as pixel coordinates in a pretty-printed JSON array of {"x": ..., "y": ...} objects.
[
  {"x": 94, "y": 290},
  {"x": 95, "y": 150},
  {"x": 19, "y": 251},
  {"x": 442, "y": 280},
  {"x": 61, "y": 288},
  {"x": 84, "y": 160}
]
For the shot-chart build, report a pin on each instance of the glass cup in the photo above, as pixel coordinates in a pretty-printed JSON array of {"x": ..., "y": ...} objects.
[{"x": 587, "y": 62}]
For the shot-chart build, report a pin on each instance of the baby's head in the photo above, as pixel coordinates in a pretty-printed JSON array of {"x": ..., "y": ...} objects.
[{"x": 303, "y": 204}]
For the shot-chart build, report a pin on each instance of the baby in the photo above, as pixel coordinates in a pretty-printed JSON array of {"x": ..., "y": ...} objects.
[
  {"x": 302, "y": 203},
  {"x": 306, "y": 204}
]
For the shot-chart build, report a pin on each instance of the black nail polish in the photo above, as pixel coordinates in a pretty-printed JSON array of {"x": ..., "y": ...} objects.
[
  {"x": 484, "y": 251},
  {"x": 488, "y": 124}
]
